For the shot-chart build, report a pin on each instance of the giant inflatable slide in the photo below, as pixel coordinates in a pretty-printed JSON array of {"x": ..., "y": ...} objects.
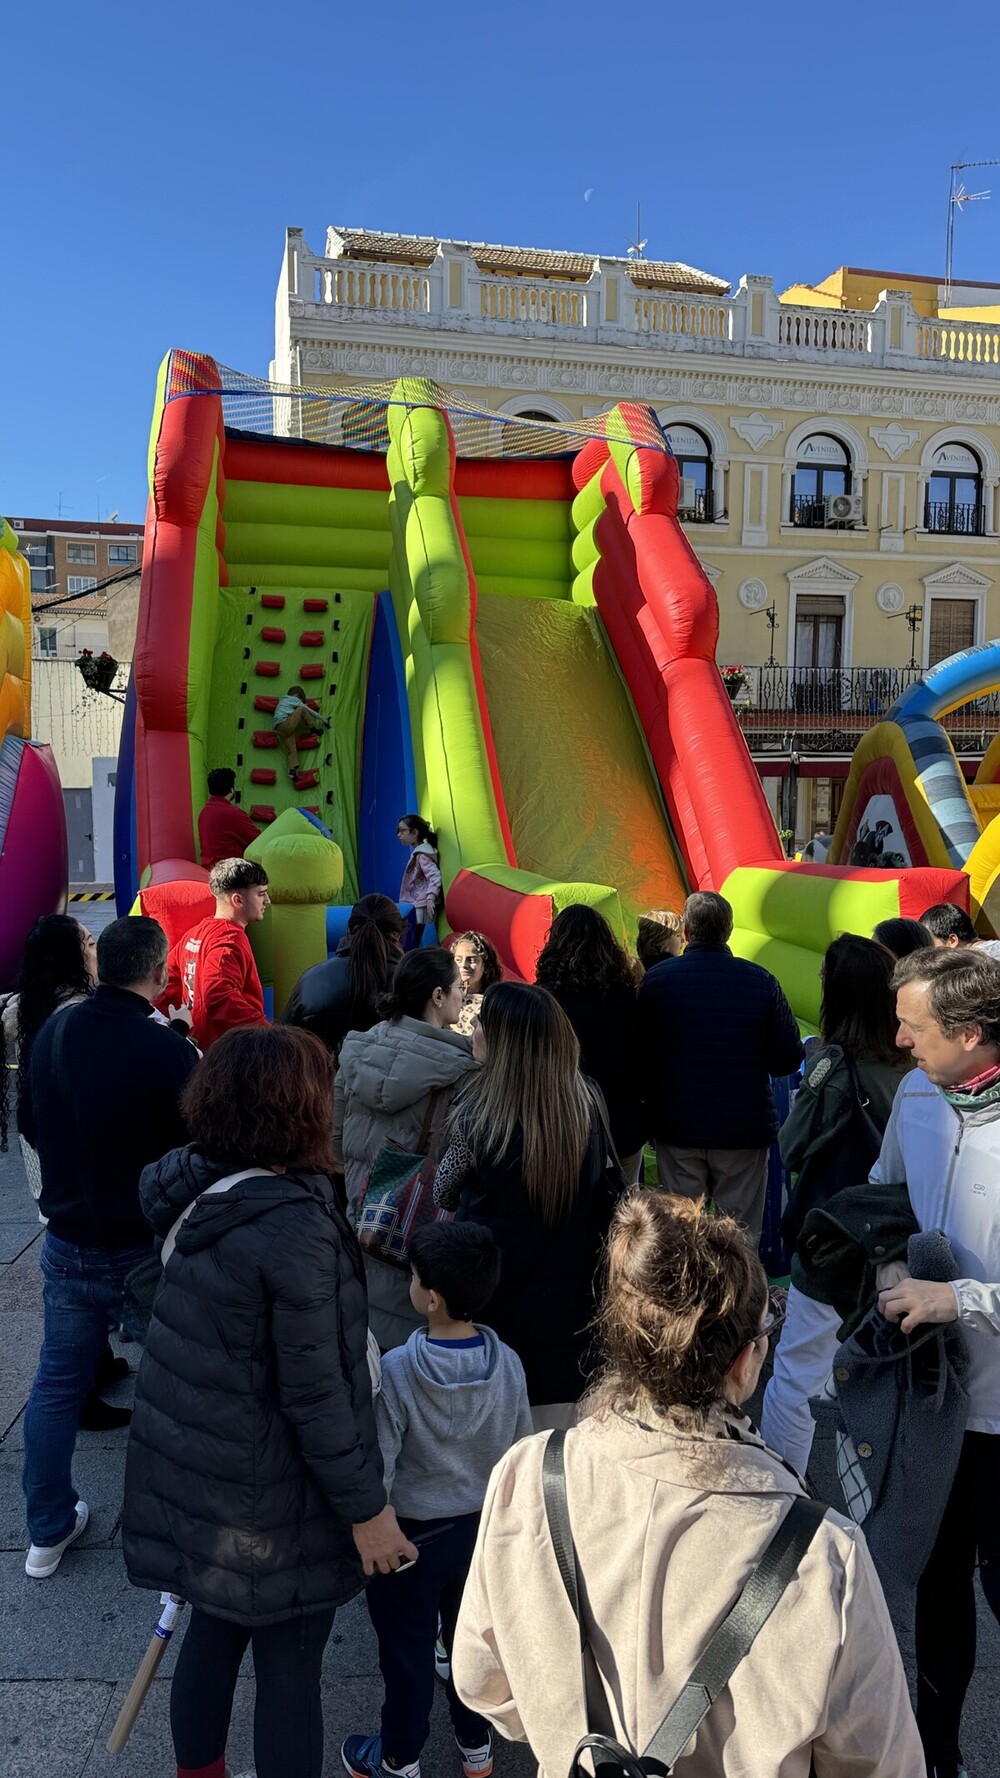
[{"x": 510, "y": 633}]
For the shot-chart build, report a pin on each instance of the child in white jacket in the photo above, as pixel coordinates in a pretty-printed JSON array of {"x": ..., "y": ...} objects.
[{"x": 421, "y": 883}]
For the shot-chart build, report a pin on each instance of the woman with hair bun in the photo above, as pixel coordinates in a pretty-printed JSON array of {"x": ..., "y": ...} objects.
[
  {"x": 343, "y": 994},
  {"x": 383, "y": 1090},
  {"x": 672, "y": 1499}
]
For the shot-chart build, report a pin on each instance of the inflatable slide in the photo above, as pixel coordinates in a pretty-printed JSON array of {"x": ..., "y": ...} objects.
[
  {"x": 907, "y": 802},
  {"x": 33, "y": 847},
  {"x": 513, "y": 638}
]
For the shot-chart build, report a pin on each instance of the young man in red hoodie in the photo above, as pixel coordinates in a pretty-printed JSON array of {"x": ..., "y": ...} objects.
[
  {"x": 212, "y": 969},
  {"x": 224, "y": 829}
]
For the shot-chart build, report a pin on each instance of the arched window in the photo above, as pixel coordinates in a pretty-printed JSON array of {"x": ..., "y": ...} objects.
[
  {"x": 954, "y": 500},
  {"x": 823, "y": 467},
  {"x": 694, "y": 462},
  {"x": 521, "y": 441}
]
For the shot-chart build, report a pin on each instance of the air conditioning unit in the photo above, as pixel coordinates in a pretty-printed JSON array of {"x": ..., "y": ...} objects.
[
  {"x": 843, "y": 510},
  {"x": 17, "y": 524},
  {"x": 688, "y": 501}
]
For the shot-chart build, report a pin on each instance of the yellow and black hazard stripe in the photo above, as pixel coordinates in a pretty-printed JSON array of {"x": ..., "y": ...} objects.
[{"x": 91, "y": 895}]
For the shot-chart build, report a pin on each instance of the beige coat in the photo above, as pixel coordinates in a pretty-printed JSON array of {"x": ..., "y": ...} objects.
[{"x": 668, "y": 1524}]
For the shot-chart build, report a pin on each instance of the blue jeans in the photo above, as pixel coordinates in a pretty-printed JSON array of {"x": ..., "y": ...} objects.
[{"x": 83, "y": 1288}]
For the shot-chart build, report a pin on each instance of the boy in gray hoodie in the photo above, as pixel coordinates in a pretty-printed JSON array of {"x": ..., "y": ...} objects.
[{"x": 453, "y": 1401}]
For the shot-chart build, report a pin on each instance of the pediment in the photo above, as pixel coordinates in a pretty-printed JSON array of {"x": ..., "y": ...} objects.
[
  {"x": 823, "y": 570},
  {"x": 956, "y": 577}
]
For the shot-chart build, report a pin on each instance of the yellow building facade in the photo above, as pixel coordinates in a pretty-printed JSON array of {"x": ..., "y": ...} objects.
[{"x": 839, "y": 447}]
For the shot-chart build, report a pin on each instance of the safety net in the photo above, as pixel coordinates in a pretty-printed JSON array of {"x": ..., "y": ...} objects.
[{"x": 355, "y": 415}]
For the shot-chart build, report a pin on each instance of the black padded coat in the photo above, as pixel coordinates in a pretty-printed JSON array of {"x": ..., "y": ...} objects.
[{"x": 253, "y": 1447}]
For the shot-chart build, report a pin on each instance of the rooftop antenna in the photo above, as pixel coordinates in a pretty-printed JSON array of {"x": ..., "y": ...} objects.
[
  {"x": 958, "y": 197},
  {"x": 635, "y": 247}
]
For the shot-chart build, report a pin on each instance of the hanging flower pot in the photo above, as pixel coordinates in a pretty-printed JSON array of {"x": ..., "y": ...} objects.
[
  {"x": 734, "y": 679},
  {"x": 97, "y": 670}
]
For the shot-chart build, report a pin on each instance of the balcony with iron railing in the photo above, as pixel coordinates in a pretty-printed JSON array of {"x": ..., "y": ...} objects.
[
  {"x": 828, "y": 709},
  {"x": 700, "y": 511},
  {"x": 955, "y": 518},
  {"x": 453, "y": 294}
]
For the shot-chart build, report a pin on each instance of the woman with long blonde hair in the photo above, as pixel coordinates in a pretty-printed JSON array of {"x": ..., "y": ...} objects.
[{"x": 529, "y": 1157}]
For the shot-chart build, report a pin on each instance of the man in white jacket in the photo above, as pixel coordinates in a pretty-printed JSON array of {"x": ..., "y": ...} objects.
[{"x": 943, "y": 1140}]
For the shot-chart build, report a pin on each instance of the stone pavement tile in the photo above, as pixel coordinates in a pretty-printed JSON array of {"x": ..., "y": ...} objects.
[
  {"x": 349, "y": 1707},
  {"x": 22, "y": 1341},
  {"x": 48, "y": 1730},
  {"x": 21, "y": 1281},
  {"x": 98, "y": 1481},
  {"x": 86, "y": 1622},
  {"x": 16, "y": 1238}
]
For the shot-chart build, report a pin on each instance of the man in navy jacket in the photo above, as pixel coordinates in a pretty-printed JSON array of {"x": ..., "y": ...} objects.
[
  {"x": 102, "y": 1102},
  {"x": 714, "y": 1029}
]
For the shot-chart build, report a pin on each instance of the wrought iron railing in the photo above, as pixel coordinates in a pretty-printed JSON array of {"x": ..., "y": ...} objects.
[
  {"x": 702, "y": 511},
  {"x": 827, "y": 709},
  {"x": 808, "y": 511},
  {"x": 957, "y": 518}
]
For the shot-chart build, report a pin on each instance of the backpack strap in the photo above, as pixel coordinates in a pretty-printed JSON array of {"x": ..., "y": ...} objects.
[{"x": 739, "y": 1629}]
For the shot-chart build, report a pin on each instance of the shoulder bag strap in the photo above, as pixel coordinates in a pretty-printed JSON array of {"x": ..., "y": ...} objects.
[
  {"x": 221, "y": 1185},
  {"x": 557, "y": 1518},
  {"x": 737, "y": 1633}
]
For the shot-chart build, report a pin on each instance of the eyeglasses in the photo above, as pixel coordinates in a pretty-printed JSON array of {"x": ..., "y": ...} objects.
[{"x": 773, "y": 1320}]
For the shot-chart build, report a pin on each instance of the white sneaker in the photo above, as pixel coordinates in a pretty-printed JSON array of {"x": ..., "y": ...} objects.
[
  {"x": 442, "y": 1664},
  {"x": 44, "y": 1558},
  {"x": 477, "y": 1762}
]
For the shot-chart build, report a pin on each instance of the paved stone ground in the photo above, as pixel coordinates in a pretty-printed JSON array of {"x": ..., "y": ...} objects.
[{"x": 69, "y": 1646}]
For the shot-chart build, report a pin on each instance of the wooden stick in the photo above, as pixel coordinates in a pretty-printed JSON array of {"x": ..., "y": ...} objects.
[{"x": 147, "y": 1672}]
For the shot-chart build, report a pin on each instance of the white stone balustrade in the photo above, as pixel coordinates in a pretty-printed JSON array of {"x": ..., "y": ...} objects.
[{"x": 454, "y": 294}]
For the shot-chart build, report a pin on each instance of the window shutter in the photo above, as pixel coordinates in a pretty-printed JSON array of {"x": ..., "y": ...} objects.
[{"x": 953, "y": 627}]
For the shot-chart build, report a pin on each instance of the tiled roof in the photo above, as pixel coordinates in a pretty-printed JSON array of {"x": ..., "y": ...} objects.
[
  {"x": 538, "y": 262},
  {"x": 363, "y": 243},
  {"x": 533, "y": 262},
  {"x": 655, "y": 274}
]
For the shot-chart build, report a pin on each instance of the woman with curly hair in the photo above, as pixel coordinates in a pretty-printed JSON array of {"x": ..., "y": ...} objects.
[
  {"x": 479, "y": 967},
  {"x": 594, "y": 980},
  {"x": 253, "y": 1486}
]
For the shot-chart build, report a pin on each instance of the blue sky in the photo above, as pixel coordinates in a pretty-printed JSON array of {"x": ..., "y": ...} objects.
[{"x": 151, "y": 158}]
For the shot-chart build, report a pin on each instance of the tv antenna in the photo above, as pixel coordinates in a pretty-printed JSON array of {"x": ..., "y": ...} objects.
[
  {"x": 635, "y": 247},
  {"x": 958, "y": 197}
]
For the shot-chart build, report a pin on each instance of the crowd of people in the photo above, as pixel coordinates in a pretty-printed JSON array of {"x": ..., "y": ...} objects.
[{"x": 555, "y": 1353}]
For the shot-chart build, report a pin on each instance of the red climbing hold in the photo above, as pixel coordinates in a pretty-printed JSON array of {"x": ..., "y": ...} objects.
[
  {"x": 306, "y": 741},
  {"x": 308, "y": 670},
  {"x": 315, "y": 604},
  {"x": 270, "y": 634},
  {"x": 264, "y": 737},
  {"x": 273, "y": 601},
  {"x": 268, "y": 705},
  {"x": 309, "y": 639},
  {"x": 262, "y": 812},
  {"x": 307, "y": 781},
  {"x": 267, "y": 669},
  {"x": 263, "y": 775}
]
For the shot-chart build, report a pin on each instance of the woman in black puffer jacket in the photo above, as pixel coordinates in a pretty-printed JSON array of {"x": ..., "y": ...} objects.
[{"x": 253, "y": 1487}]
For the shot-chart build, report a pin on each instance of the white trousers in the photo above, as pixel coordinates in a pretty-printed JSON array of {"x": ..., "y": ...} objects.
[{"x": 803, "y": 1361}]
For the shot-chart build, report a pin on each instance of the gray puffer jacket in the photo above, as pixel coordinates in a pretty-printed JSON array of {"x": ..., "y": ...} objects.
[{"x": 383, "y": 1088}]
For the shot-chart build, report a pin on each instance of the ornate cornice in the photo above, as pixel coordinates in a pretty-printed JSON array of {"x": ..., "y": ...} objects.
[{"x": 622, "y": 378}]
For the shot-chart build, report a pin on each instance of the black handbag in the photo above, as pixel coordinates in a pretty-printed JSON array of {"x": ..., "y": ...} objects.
[{"x": 715, "y": 1668}]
